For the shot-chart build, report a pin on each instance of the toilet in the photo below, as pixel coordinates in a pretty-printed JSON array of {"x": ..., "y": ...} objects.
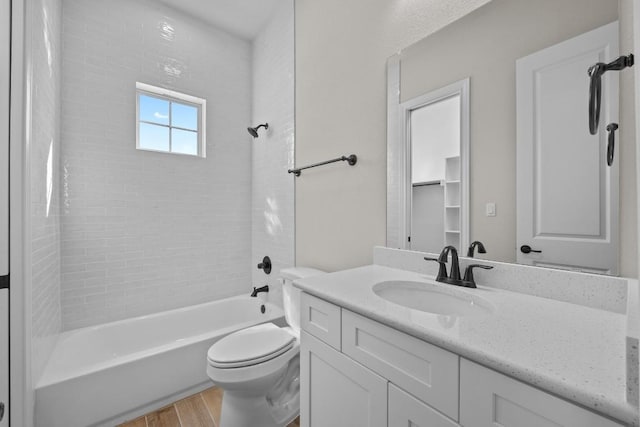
[{"x": 259, "y": 367}]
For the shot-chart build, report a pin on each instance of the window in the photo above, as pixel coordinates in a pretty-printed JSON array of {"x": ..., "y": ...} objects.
[{"x": 169, "y": 121}]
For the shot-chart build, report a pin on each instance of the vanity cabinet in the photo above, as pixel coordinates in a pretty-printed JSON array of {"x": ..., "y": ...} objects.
[
  {"x": 406, "y": 410},
  {"x": 336, "y": 391},
  {"x": 489, "y": 398},
  {"x": 358, "y": 372},
  {"x": 424, "y": 370}
]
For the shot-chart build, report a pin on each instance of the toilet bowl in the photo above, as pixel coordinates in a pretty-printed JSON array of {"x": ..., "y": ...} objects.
[{"x": 259, "y": 367}]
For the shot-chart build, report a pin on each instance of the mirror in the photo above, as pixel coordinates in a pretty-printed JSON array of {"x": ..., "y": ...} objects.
[{"x": 489, "y": 47}]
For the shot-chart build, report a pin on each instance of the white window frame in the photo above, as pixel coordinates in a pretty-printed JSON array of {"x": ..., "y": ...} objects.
[{"x": 181, "y": 98}]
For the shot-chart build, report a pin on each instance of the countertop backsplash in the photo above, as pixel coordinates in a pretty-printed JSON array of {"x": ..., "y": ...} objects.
[{"x": 590, "y": 290}]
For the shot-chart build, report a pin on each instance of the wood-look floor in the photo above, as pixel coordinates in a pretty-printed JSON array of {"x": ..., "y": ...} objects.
[{"x": 199, "y": 410}]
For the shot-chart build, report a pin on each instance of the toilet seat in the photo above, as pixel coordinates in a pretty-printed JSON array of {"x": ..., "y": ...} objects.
[
  {"x": 250, "y": 346},
  {"x": 258, "y": 375}
]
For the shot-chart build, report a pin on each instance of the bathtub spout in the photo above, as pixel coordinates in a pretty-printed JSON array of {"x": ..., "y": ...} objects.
[{"x": 256, "y": 291}]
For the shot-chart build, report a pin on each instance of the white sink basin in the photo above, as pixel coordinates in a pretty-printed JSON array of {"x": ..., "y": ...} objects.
[{"x": 433, "y": 298}]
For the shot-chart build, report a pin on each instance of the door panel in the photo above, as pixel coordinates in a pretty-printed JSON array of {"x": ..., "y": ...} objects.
[{"x": 567, "y": 196}]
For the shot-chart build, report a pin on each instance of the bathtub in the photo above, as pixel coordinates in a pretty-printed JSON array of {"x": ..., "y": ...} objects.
[{"x": 106, "y": 374}]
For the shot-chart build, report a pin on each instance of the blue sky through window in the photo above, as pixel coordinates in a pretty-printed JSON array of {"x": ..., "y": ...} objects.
[
  {"x": 184, "y": 141},
  {"x": 158, "y": 120},
  {"x": 184, "y": 116},
  {"x": 154, "y": 137},
  {"x": 154, "y": 110}
]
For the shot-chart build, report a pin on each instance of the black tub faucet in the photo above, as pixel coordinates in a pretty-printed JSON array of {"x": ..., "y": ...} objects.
[
  {"x": 472, "y": 247},
  {"x": 256, "y": 291}
]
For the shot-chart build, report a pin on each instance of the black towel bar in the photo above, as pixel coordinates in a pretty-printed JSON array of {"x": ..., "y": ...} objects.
[{"x": 352, "y": 160}]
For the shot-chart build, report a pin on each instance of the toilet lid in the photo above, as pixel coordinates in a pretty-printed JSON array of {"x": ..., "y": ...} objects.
[{"x": 250, "y": 346}]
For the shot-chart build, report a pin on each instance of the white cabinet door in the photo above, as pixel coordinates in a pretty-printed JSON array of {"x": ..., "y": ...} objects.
[
  {"x": 336, "y": 391},
  {"x": 424, "y": 370},
  {"x": 406, "y": 410},
  {"x": 567, "y": 196},
  {"x": 490, "y": 399}
]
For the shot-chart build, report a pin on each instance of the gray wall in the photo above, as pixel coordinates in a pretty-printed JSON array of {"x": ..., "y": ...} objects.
[
  {"x": 627, "y": 151},
  {"x": 142, "y": 231},
  {"x": 341, "y": 55}
]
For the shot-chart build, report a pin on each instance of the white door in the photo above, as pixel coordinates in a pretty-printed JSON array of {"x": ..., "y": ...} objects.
[
  {"x": 567, "y": 196},
  {"x": 4, "y": 211},
  {"x": 327, "y": 376}
]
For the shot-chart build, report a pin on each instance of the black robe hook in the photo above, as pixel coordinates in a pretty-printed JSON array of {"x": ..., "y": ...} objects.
[{"x": 595, "y": 86}]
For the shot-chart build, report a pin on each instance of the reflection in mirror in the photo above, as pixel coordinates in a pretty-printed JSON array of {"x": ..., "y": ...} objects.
[
  {"x": 485, "y": 47},
  {"x": 567, "y": 193},
  {"x": 434, "y": 127},
  {"x": 435, "y": 175}
]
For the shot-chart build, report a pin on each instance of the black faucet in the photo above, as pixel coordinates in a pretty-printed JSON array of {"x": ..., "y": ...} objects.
[
  {"x": 442, "y": 270},
  {"x": 468, "y": 280},
  {"x": 472, "y": 247},
  {"x": 454, "y": 271},
  {"x": 256, "y": 291},
  {"x": 454, "y": 276}
]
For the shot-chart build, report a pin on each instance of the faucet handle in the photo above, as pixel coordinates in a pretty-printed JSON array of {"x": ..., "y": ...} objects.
[
  {"x": 442, "y": 271},
  {"x": 265, "y": 265},
  {"x": 468, "y": 274}
]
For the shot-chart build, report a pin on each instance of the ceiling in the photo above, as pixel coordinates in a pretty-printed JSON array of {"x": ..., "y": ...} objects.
[{"x": 244, "y": 18}]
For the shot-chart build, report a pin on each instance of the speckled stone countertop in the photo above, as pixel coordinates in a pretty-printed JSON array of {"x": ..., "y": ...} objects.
[{"x": 573, "y": 351}]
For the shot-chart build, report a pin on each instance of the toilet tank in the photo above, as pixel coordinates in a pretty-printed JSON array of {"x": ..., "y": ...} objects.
[{"x": 291, "y": 295}]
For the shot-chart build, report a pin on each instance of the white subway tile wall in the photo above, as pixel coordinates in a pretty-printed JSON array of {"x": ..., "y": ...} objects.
[
  {"x": 273, "y": 207},
  {"x": 45, "y": 16},
  {"x": 142, "y": 231}
]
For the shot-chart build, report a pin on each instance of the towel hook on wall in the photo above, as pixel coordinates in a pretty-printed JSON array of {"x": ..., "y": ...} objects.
[
  {"x": 611, "y": 128},
  {"x": 595, "y": 86}
]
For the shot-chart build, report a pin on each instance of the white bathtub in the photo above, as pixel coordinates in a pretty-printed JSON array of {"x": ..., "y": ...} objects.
[{"x": 105, "y": 374}]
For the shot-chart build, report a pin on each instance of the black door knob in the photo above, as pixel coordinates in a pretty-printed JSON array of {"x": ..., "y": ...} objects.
[{"x": 525, "y": 249}]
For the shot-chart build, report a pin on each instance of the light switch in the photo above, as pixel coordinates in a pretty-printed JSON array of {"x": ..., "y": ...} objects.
[{"x": 491, "y": 209}]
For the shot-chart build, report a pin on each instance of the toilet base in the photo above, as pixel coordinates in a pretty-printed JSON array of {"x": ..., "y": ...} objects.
[{"x": 245, "y": 411}]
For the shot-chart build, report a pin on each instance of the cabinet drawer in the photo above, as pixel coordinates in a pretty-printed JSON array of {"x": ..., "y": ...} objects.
[
  {"x": 490, "y": 398},
  {"x": 424, "y": 370},
  {"x": 406, "y": 410},
  {"x": 321, "y": 319}
]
